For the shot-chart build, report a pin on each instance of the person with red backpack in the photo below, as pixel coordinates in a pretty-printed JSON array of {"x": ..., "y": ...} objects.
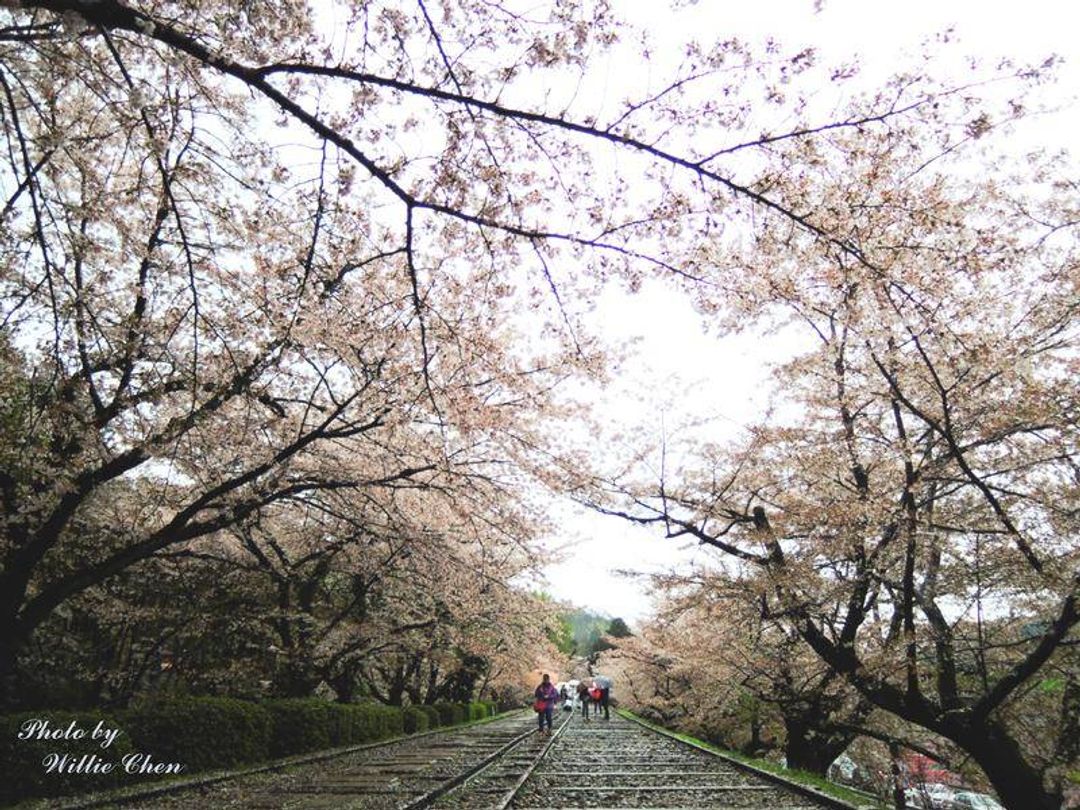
[
  {"x": 596, "y": 694},
  {"x": 546, "y": 695}
]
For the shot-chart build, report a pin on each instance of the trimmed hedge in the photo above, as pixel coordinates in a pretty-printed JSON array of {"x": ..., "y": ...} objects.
[
  {"x": 364, "y": 722},
  {"x": 393, "y": 721},
  {"x": 302, "y": 725},
  {"x": 347, "y": 724},
  {"x": 201, "y": 733},
  {"x": 310, "y": 724},
  {"x": 432, "y": 715},
  {"x": 451, "y": 714},
  {"x": 415, "y": 719},
  {"x": 205, "y": 733}
]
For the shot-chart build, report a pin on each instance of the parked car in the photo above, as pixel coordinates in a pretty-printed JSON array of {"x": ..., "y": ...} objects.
[
  {"x": 930, "y": 796},
  {"x": 969, "y": 800},
  {"x": 913, "y": 798},
  {"x": 843, "y": 769}
]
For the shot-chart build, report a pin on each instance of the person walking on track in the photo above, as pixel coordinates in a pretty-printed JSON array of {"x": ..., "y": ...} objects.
[
  {"x": 603, "y": 683},
  {"x": 583, "y": 696},
  {"x": 596, "y": 693},
  {"x": 546, "y": 696}
]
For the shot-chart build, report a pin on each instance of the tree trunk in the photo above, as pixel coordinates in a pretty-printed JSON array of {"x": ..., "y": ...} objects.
[
  {"x": 1018, "y": 784},
  {"x": 395, "y": 690},
  {"x": 432, "y": 694},
  {"x": 899, "y": 800},
  {"x": 295, "y": 679},
  {"x": 11, "y": 644},
  {"x": 756, "y": 746},
  {"x": 1068, "y": 744},
  {"x": 807, "y": 749},
  {"x": 344, "y": 686}
]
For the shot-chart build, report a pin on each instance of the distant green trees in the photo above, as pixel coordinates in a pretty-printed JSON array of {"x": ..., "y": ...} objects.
[{"x": 583, "y": 634}]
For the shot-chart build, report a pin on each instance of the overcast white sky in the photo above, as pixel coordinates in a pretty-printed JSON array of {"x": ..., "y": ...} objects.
[{"x": 673, "y": 354}]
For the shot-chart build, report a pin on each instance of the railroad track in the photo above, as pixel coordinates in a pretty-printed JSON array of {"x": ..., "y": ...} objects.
[
  {"x": 623, "y": 764},
  {"x": 404, "y": 774},
  {"x": 506, "y": 765}
]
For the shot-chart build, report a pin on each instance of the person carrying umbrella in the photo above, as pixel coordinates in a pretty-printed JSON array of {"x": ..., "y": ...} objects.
[{"x": 603, "y": 683}]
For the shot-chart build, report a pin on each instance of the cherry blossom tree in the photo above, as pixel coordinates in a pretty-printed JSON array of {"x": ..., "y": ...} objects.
[
  {"x": 672, "y": 672},
  {"x": 740, "y": 672},
  {"x": 299, "y": 599},
  {"x": 197, "y": 326},
  {"x": 392, "y": 595},
  {"x": 243, "y": 246},
  {"x": 912, "y": 503}
]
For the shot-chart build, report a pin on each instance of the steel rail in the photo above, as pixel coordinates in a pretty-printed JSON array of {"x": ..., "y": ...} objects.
[
  {"x": 135, "y": 794},
  {"x": 506, "y": 800},
  {"x": 431, "y": 796}
]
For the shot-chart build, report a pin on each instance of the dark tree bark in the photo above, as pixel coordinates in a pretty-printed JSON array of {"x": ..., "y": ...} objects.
[{"x": 810, "y": 749}]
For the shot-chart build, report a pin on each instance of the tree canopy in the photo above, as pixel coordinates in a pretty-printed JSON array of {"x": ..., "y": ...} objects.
[{"x": 290, "y": 296}]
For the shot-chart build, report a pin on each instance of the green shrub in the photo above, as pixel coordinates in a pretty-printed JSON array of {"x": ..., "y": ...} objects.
[
  {"x": 376, "y": 725},
  {"x": 342, "y": 720},
  {"x": 301, "y": 725},
  {"x": 450, "y": 714},
  {"x": 432, "y": 714},
  {"x": 393, "y": 721},
  {"x": 382, "y": 721},
  {"x": 201, "y": 733},
  {"x": 350, "y": 723},
  {"x": 478, "y": 710},
  {"x": 25, "y": 760},
  {"x": 414, "y": 719}
]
